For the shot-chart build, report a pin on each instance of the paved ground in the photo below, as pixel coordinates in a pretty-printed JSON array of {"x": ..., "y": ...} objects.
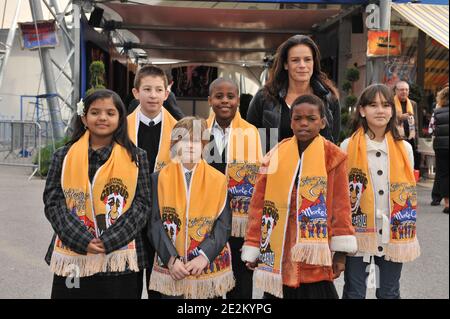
[{"x": 25, "y": 235}]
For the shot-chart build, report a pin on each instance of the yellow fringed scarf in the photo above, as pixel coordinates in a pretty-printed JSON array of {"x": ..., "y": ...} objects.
[
  {"x": 167, "y": 124},
  {"x": 244, "y": 157},
  {"x": 411, "y": 120},
  {"x": 97, "y": 206},
  {"x": 178, "y": 205},
  {"x": 398, "y": 106},
  {"x": 312, "y": 235},
  {"x": 403, "y": 245}
]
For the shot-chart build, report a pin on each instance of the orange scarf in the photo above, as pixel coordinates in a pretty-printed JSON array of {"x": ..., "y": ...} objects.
[
  {"x": 98, "y": 206},
  {"x": 403, "y": 245},
  {"x": 167, "y": 124},
  {"x": 243, "y": 160},
  {"x": 312, "y": 236},
  {"x": 188, "y": 219}
]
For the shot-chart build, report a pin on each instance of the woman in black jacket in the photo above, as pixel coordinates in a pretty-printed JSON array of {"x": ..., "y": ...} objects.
[
  {"x": 440, "y": 143},
  {"x": 295, "y": 72}
]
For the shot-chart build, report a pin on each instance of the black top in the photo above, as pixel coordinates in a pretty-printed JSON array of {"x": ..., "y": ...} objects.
[
  {"x": 72, "y": 231},
  {"x": 148, "y": 140},
  {"x": 171, "y": 105},
  {"x": 272, "y": 112},
  {"x": 441, "y": 121},
  {"x": 405, "y": 122},
  {"x": 285, "y": 130}
]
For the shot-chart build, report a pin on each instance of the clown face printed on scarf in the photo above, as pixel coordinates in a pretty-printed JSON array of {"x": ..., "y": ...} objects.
[
  {"x": 114, "y": 207},
  {"x": 266, "y": 230},
  {"x": 268, "y": 222},
  {"x": 357, "y": 185},
  {"x": 356, "y": 189},
  {"x": 171, "y": 230},
  {"x": 171, "y": 223},
  {"x": 114, "y": 196}
]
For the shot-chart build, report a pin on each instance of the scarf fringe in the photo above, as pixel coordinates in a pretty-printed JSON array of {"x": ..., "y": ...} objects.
[
  {"x": 312, "y": 253},
  {"x": 367, "y": 242},
  {"x": 192, "y": 288},
  {"x": 164, "y": 284},
  {"x": 118, "y": 260},
  {"x": 210, "y": 288},
  {"x": 239, "y": 226},
  {"x": 268, "y": 282},
  {"x": 88, "y": 265},
  {"x": 63, "y": 265},
  {"x": 403, "y": 252}
]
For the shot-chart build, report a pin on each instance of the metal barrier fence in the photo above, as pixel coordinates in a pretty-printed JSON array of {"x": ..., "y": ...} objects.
[{"x": 20, "y": 142}]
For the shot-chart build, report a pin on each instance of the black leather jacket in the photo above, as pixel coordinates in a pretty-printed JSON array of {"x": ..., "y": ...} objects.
[
  {"x": 264, "y": 112},
  {"x": 441, "y": 119}
]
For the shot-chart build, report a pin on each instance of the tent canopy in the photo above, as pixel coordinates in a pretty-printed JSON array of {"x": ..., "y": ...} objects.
[
  {"x": 431, "y": 19},
  {"x": 211, "y": 34}
]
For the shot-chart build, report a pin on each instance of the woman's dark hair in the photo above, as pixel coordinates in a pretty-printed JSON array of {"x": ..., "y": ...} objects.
[
  {"x": 310, "y": 99},
  {"x": 244, "y": 102},
  {"x": 442, "y": 97},
  {"x": 120, "y": 136},
  {"x": 278, "y": 76},
  {"x": 368, "y": 96}
]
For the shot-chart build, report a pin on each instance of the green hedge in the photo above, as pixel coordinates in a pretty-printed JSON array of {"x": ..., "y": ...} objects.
[{"x": 46, "y": 156}]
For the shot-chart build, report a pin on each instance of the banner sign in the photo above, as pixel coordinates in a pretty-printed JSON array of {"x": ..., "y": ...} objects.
[
  {"x": 380, "y": 44},
  {"x": 38, "y": 34}
]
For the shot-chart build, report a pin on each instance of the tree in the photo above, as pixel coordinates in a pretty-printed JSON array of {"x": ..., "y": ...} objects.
[
  {"x": 97, "y": 76},
  {"x": 351, "y": 76}
]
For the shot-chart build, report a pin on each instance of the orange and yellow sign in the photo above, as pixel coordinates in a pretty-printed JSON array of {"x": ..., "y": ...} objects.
[{"x": 379, "y": 43}]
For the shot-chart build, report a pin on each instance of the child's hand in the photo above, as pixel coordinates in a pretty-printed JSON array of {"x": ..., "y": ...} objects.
[
  {"x": 338, "y": 264},
  {"x": 404, "y": 116},
  {"x": 197, "y": 265},
  {"x": 177, "y": 269},
  {"x": 96, "y": 247},
  {"x": 251, "y": 265}
]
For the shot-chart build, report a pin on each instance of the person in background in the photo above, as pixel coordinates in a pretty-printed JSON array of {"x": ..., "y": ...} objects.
[
  {"x": 440, "y": 144},
  {"x": 244, "y": 103},
  {"x": 296, "y": 71},
  {"x": 149, "y": 127},
  {"x": 170, "y": 104},
  {"x": 235, "y": 152},
  {"x": 407, "y": 116}
]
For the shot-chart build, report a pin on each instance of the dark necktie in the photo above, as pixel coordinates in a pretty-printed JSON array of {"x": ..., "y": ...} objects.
[{"x": 188, "y": 178}]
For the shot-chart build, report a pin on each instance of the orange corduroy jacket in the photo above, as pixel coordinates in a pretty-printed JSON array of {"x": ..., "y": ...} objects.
[{"x": 340, "y": 229}]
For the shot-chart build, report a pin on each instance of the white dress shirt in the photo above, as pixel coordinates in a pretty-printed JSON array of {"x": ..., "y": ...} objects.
[
  {"x": 146, "y": 120},
  {"x": 220, "y": 137}
]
